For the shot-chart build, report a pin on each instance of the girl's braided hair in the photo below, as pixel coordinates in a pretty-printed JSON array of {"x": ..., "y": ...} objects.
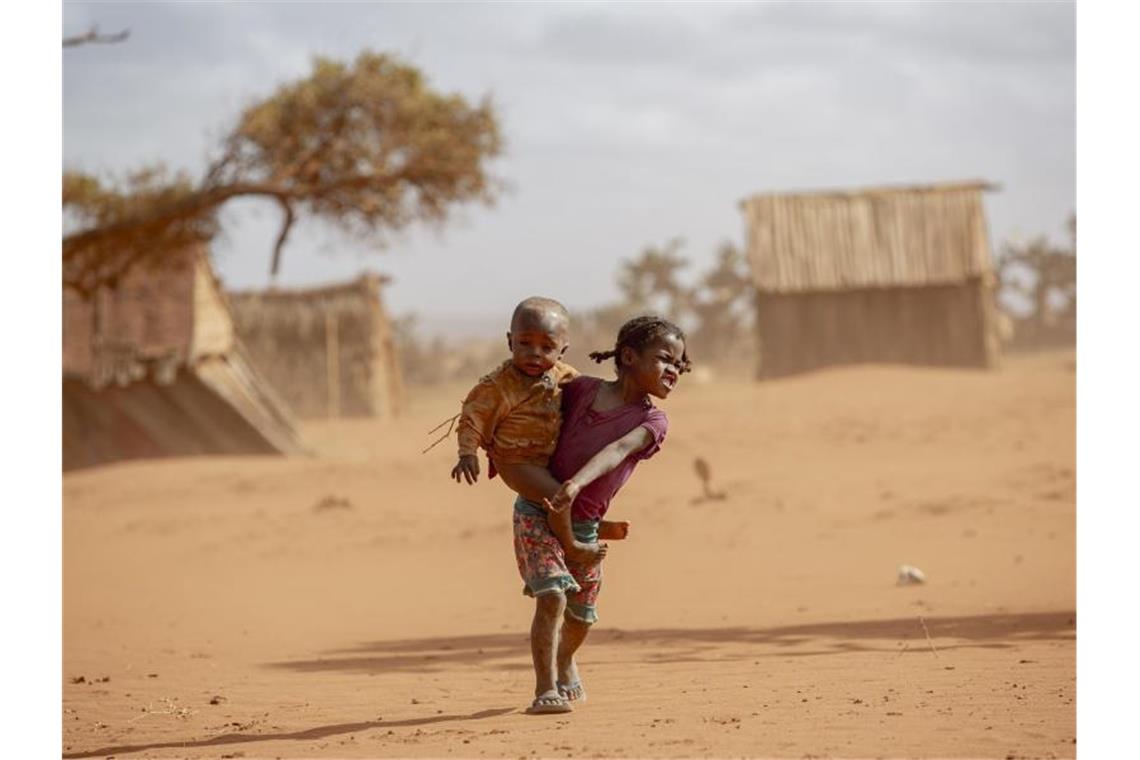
[{"x": 638, "y": 333}]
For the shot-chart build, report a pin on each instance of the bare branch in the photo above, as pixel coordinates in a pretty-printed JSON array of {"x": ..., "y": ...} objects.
[
  {"x": 94, "y": 36},
  {"x": 286, "y": 225},
  {"x": 215, "y": 197}
]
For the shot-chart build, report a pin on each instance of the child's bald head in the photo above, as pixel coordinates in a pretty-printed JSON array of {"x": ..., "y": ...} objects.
[
  {"x": 539, "y": 335},
  {"x": 543, "y": 314}
]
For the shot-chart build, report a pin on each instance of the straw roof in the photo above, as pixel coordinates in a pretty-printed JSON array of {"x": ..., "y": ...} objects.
[{"x": 867, "y": 238}]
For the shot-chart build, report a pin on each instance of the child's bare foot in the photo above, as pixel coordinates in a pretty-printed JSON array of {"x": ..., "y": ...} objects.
[
  {"x": 585, "y": 554},
  {"x": 613, "y": 531}
]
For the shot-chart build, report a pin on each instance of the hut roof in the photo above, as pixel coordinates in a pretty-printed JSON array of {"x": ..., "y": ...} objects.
[
  {"x": 367, "y": 282},
  {"x": 305, "y": 309},
  {"x": 867, "y": 238}
]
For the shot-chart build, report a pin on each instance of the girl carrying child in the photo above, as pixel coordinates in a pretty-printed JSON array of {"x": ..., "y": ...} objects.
[{"x": 608, "y": 427}]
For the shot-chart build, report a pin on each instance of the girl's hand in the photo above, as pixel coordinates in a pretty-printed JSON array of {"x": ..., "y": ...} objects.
[
  {"x": 563, "y": 498},
  {"x": 467, "y": 468}
]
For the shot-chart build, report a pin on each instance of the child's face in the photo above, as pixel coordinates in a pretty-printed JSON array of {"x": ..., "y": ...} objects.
[
  {"x": 537, "y": 341},
  {"x": 656, "y": 369}
]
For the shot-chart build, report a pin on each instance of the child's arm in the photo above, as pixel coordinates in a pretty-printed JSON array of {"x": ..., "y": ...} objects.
[
  {"x": 481, "y": 412},
  {"x": 601, "y": 463}
]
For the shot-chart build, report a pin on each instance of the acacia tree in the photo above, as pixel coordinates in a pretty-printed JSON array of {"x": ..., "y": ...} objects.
[
  {"x": 369, "y": 147},
  {"x": 1053, "y": 276},
  {"x": 722, "y": 305},
  {"x": 650, "y": 281}
]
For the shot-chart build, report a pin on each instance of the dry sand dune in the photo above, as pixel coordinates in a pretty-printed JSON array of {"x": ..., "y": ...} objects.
[{"x": 358, "y": 603}]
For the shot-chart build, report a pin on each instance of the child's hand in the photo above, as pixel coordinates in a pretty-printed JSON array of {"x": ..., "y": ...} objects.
[
  {"x": 563, "y": 498},
  {"x": 467, "y": 468}
]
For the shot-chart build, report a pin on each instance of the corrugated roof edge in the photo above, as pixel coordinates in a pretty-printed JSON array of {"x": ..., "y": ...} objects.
[
  {"x": 937, "y": 187},
  {"x": 367, "y": 279}
]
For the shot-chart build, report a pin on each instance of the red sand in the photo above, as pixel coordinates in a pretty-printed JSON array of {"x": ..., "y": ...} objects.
[{"x": 211, "y": 609}]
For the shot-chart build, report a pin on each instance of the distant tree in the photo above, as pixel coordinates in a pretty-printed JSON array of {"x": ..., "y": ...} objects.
[
  {"x": 1051, "y": 272},
  {"x": 721, "y": 305},
  {"x": 369, "y": 147},
  {"x": 716, "y": 312},
  {"x": 649, "y": 282}
]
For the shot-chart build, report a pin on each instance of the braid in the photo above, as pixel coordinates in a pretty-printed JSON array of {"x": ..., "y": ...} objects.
[
  {"x": 639, "y": 332},
  {"x": 601, "y": 356}
]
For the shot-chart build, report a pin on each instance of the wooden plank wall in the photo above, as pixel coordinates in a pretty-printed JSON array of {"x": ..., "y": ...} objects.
[
  {"x": 118, "y": 334},
  {"x": 939, "y": 325},
  {"x": 304, "y": 341}
]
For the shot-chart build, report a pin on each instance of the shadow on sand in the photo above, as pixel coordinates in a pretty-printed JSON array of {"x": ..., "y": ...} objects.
[
  {"x": 510, "y": 651},
  {"x": 320, "y": 732}
]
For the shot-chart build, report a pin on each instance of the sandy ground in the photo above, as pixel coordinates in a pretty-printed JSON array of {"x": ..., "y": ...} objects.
[{"x": 358, "y": 603}]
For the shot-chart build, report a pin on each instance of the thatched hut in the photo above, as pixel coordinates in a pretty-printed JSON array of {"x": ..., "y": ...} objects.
[
  {"x": 152, "y": 368},
  {"x": 891, "y": 274},
  {"x": 328, "y": 350}
]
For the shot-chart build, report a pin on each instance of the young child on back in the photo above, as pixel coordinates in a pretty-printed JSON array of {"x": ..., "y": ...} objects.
[
  {"x": 514, "y": 412},
  {"x": 608, "y": 427}
]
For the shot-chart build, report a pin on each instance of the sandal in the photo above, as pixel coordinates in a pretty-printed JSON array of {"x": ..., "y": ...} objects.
[{"x": 548, "y": 704}]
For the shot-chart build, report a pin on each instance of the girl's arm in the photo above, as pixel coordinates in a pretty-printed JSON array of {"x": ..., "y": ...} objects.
[
  {"x": 536, "y": 484},
  {"x": 601, "y": 463}
]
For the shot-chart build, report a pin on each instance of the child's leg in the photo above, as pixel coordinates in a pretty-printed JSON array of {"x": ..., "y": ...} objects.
[
  {"x": 548, "y": 610},
  {"x": 576, "y": 551},
  {"x": 613, "y": 531}
]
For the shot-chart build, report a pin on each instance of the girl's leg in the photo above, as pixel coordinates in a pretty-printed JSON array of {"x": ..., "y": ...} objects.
[
  {"x": 574, "y": 632},
  {"x": 548, "y": 610}
]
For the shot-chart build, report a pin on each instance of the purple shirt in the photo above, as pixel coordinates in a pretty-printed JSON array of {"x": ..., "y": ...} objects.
[{"x": 585, "y": 432}]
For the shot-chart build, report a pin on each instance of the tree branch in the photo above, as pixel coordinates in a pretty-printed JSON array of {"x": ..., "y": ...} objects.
[
  {"x": 94, "y": 36},
  {"x": 286, "y": 225}
]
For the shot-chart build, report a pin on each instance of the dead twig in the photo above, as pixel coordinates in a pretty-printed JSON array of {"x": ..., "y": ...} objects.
[
  {"x": 169, "y": 708},
  {"x": 440, "y": 440}
]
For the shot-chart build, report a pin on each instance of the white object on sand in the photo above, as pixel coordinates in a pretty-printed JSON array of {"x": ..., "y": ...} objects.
[{"x": 910, "y": 574}]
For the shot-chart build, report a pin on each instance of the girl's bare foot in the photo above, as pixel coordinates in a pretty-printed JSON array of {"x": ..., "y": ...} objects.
[{"x": 609, "y": 530}]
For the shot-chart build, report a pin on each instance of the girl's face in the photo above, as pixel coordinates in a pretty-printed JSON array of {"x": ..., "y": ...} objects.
[{"x": 656, "y": 369}]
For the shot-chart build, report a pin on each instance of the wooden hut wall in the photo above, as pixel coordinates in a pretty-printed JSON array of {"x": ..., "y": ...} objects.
[
  {"x": 386, "y": 378},
  {"x": 213, "y": 332},
  {"x": 327, "y": 352},
  {"x": 118, "y": 334},
  {"x": 947, "y": 325}
]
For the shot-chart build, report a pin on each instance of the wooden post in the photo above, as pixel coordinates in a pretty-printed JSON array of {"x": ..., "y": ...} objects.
[{"x": 332, "y": 364}]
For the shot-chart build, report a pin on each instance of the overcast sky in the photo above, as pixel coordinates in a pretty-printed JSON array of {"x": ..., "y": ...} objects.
[{"x": 625, "y": 124}]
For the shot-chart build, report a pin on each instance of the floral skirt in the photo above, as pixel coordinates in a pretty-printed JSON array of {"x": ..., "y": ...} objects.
[{"x": 546, "y": 570}]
